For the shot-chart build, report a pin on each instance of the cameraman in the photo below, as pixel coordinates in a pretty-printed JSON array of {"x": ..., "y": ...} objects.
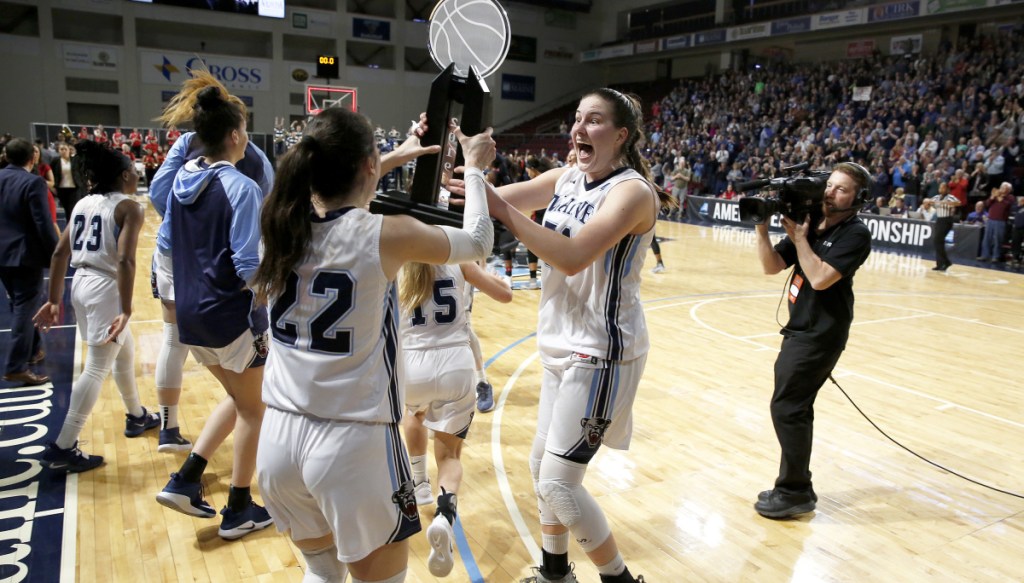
[{"x": 826, "y": 256}]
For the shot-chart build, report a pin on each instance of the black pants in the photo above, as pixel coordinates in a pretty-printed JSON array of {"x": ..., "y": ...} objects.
[
  {"x": 942, "y": 227},
  {"x": 68, "y": 198},
  {"x": 801, "y": 369},
  {"x": 24, "y": 286}
]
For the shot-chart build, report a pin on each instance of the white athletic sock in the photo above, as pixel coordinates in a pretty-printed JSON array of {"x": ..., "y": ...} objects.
[
  {"x": 481, "y": 376},
  {"x": 168, "y": 416},
  {"x": 419, "y": 468},
  {"x": 614, "y": 567},
  {"x": 556, "y": 544}
]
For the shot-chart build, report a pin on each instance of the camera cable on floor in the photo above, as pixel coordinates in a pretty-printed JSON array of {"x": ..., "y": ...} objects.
[{"x": 879, "y": 429}]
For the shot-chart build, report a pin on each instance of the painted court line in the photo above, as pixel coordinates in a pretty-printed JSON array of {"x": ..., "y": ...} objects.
[
  {"x": 499, "y": 462},
  {"x": 48, "y": 513}
]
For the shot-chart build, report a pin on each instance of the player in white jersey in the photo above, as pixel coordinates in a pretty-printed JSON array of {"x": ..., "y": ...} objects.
[
  {"x": 439, "y": 374},
  {"x": 333, "y": 469},
  {"x": 100, "y": 239},
  {"x": 592, "y": 337}
]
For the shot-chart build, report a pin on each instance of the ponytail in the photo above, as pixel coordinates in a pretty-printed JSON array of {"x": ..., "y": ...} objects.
[
  {"x": 326, "y": 161},
  {"x": 284, "y": 221},
  {"x": 180, "y": 109},
  {"x": 416, "y": 284}
]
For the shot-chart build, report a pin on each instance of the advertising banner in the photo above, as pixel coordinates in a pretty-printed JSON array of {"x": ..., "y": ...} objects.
[
  {"x": 791, "y": 25},
  {"x": 370, "y": 29},
  {"x": 858, "y": 49},
  {"x": 895, "y": 11},
  {"x": 93, "y": 57},
  {"x": 676, "y": 42},
  {"x": 518, "y": 87},
  {"x": 709, "y": 37},
  {"x": 836, "y": 19},
  {"x": 750, "y": 31},
  {"x": 905, "y": 45},
  {"x": 557, "y": 53},
  {"x": 171, "y": 68},
  {"x": 909, "y": 235},
  {"x": 941, "y": 6}
]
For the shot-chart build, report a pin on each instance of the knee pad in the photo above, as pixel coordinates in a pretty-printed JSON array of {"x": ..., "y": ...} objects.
[
  {"x": 561, "y": 488},
  {"x": 561, "y": 498},
  {"x": 323, "y": 566},
  {"x": 171, "y": 360}
]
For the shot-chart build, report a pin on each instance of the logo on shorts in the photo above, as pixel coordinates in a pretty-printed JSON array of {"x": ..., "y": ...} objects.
[
  {"x": 405, "y": 497},
  {"x": 584, "y": 358},
  {"x": 259, "y": 344},
  {"x": 593, "y": 429}
]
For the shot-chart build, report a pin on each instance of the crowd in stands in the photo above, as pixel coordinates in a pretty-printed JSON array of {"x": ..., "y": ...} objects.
[{"x": 952, "y": 118}]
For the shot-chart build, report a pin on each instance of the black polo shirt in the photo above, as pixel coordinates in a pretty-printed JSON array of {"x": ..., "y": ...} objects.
[{"x": 825, "y": 315}]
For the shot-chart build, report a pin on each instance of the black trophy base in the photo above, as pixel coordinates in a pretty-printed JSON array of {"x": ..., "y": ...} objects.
[{"x": 395, "y": 202}]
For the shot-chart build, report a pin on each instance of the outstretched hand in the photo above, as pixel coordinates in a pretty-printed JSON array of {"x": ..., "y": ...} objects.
[
  {"x": 478, "y": 150},
  {"x": 47, "y": 316},
  {"x": 411, "y": 148}
]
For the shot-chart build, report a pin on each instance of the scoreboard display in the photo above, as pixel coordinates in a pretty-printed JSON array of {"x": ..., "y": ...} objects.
[{"x": 327, "y": 67}]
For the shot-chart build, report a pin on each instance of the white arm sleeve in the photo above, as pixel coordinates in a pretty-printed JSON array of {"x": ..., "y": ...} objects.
[{"x": 476, "y": 237}]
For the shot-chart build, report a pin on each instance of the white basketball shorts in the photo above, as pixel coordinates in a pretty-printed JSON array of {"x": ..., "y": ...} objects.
[
  {"x": 441, "y": 382},
  {"x": 351, "y": 479}
]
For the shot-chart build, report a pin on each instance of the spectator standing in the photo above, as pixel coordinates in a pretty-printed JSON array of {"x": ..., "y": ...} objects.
[
  {"x": 999, "y": 206},
  {"x": 68, "y": 191},
  {"x": 135, "y": 141},
  {"x": 27, "y": 241},
  {"x": 958, "y": 186},
  {"x": 46, "y": 173}
]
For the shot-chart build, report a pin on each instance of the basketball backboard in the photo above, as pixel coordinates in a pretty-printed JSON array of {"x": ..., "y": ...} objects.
[{"x": 321, "y": 97}]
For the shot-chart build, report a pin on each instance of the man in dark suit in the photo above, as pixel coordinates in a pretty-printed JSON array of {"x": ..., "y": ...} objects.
[{"x": 27, "y": 240}]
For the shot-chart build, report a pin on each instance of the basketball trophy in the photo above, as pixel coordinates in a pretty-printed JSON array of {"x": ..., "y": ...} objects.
[{"x": 468, "y": 40}]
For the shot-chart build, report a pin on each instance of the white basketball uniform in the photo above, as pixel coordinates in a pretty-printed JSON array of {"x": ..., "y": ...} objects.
[
  {"x": 439, "y": 365},
  {"x": 591, "y": 333},
  {"x": 94, "y": 294},
  {"x": 331, "y": 458}
]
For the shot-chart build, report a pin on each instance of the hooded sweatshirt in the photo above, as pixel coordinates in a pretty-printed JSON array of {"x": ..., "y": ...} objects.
[
  {"x": 255, "y": 165},
  {"x": 215, "y": 239}
]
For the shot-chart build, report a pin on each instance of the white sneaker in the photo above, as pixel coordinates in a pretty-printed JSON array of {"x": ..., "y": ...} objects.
[
  {"x": 424, "y": 497},
  {"x": 442, "y": 553},
  {"x": 658, "y": 268},
  {"x": 532, "y": 284}
]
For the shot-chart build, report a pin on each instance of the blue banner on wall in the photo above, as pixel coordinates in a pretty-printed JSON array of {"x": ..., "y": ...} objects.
[
  {"x": 894, "y": 11},
  {"x": 370, "y": 29},
  {"x": 791, "y": 25},
  {"x": 676, "y": 42},
  {"x": 709, "y": 37},
  {"x": 518, "y": 87}
]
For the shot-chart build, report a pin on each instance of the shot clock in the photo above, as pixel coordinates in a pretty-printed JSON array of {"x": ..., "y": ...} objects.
[{"x": 327, "y": 67}]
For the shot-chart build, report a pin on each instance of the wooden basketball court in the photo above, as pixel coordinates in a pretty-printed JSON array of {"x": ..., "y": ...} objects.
[{"x": 931, "y": 359}]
